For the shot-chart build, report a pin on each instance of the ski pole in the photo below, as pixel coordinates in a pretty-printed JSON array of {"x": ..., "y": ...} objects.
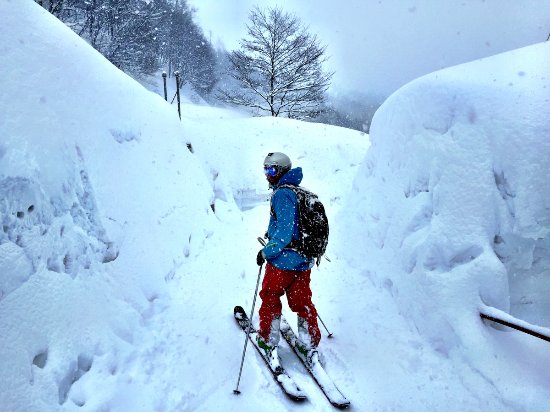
[
  {"x": 236, "y": 391},
  {"x": 329, "y": 334}
]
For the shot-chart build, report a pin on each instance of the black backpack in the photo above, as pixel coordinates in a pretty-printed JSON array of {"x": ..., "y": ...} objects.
[{"x": 313, "y": 223}]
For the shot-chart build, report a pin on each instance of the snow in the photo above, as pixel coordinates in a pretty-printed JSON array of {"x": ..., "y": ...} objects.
[{"x": 129, "y": 236}]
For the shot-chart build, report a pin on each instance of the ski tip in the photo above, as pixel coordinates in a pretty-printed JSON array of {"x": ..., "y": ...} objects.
[
  {"x": 239, "y": 313},
  {"x": 344, "y": 405},
  {"x": 341, "y": 405}
]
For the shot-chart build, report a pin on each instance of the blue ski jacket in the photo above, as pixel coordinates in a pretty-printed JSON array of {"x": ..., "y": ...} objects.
[{"x": 283, "y": 226}]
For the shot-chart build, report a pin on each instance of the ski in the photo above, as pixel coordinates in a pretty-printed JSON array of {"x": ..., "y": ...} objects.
[
  {"x": 316, "y": 370},
  {"x": 286, "y": 383}
]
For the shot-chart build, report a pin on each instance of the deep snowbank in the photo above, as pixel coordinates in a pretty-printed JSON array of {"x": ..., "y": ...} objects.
[
  {"x": 95, "y": 212},
  {"x": 452, "y": 205}
]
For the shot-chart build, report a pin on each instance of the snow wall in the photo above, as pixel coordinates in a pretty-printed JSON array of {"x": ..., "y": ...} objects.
[
  {"x": 452, "y": 200},
  {"x": 80, "y": 270}
]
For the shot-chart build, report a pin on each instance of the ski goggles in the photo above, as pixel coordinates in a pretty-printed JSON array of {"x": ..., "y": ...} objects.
[{"x": 271, "y": 170}]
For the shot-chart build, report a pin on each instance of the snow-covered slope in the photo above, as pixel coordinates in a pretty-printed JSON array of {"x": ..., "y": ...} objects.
[
  {"x": 128, "y": 236},
  {"x": 451, "y": 210},
  {"x": 97, "y": 208}
]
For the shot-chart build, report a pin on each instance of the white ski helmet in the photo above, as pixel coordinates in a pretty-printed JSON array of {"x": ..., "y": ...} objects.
[{"x": 279, "y": 160}]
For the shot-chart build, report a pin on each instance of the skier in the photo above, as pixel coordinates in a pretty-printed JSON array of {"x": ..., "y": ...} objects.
[{"x": 286, "y": 271}]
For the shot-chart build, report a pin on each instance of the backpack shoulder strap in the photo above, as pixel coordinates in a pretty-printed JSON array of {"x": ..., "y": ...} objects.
[
  {"x": 291, "y": 187},
  {"x": 295, "y": 189}
]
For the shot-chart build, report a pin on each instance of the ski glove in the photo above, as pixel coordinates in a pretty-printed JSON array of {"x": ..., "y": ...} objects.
[{"x": 260, "y": 259}]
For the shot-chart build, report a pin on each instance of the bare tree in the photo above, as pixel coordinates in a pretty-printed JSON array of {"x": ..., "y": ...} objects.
[
  {"x": 141, "y": 36},
  {"x": 278, "y": 67}
]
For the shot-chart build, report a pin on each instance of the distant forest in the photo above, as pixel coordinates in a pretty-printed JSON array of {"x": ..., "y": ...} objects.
[{"x": 145, "y": 37}]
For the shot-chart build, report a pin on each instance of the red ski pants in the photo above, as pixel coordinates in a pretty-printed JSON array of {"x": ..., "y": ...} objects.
[{"x": 295, "y": 284}]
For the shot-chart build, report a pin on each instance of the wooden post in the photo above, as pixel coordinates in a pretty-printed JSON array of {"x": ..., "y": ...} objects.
[
  {"x": 165, "y": 91},
  {"x": 178, "y": 91}
]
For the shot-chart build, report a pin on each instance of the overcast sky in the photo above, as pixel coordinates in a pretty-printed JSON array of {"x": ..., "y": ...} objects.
[{"x": 376, "y": 46}]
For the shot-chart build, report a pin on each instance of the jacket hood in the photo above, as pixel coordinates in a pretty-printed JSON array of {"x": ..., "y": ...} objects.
[{"x": 292, "y": 177}]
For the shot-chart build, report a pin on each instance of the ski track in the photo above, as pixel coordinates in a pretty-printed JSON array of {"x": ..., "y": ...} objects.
[
  {"x": 377, "y": 343},
  {"x": 167, "y": 338}
]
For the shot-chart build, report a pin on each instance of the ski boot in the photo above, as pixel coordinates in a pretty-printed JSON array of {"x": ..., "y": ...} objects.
[
  {"x": 270, "y": 353},
  {"x": 310, "y": 354}
]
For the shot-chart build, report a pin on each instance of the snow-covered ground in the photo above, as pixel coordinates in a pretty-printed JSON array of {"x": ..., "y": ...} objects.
[
  {"x": 128, "y": 236},
  {"x": 450, "y": 211}
]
